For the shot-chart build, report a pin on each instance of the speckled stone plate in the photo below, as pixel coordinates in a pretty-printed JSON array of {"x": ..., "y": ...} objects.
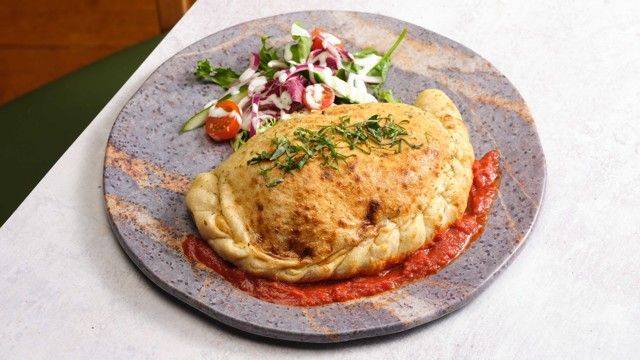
[{"x": 148, "y": 167}]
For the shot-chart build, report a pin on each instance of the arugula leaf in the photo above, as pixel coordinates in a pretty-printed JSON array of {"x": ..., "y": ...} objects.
[
  {"x": 366, "y": 51},
  {"x": 221, "y": 76},
  {"x": 267, "y": 53},
  {"x": 382, "y": 67},
  {"x": 351, "y": 67},
  {"x": 383, "y": 95}
]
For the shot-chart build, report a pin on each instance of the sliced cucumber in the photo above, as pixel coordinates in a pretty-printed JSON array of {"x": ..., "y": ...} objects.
[
  {"x": 200, "y": 117},
  {"x": 196, "y": 120},
  {"x": 241, "y": 94},
  {"x": 367, "y": 63},
  {"x": 343, "y": 89}
]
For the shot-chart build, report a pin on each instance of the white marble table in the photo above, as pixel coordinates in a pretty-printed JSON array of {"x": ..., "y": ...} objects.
[{"x": 68, "y": 290}]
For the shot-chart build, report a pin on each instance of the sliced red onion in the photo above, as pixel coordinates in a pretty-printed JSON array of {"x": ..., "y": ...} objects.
[
  {"x": 325, "y": 58},
  {"x": 313, "y": 54},
  {"x": 245, "y": 77},
  {"x": 272, "y": 87},
  {"x": 285, "y": 74},
  {"x": 253, "y": 114},
  {"x": 252, "y": 129},
  {"x": 254, "y": 61},
  {"x": 333, "y": 51},
  {"x": 242, "y": 104},
  {"x": 333, "y": 63},
  {"x": 346, "y": 55},
  {"x": 295, "y": 87}
]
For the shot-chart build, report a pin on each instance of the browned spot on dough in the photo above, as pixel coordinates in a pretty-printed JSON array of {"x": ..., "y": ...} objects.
[
  {"x": 327, "y": 174},
  {"x": 372, "y": 210},
  {"x": 145, "y": 173},
  {"x": 306, "y": 252}
]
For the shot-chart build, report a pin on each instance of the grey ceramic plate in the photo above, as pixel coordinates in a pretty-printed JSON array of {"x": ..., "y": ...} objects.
[{"x": 148, "y": 167}]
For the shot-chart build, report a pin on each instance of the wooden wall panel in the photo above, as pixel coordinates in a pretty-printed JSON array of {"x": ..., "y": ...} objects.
[
  {"x": 170, "y": 11},
  {"x": 42, "y": 40}
]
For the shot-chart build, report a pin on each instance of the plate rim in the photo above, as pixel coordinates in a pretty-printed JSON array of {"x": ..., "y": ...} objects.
[{"x": 354, "y": 334}]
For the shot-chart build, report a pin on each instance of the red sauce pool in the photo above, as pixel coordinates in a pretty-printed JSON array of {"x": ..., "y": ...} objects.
[{"x": 447, "y": 245}]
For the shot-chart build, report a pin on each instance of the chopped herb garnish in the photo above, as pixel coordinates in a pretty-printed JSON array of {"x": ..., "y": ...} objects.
[
  {"x": 275, "y": 182},
  {"x": 288, "y": 154},
  {"x": 266, "y": 124}
]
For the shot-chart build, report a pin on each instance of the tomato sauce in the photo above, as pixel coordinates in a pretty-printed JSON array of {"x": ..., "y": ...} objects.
[{"x": 447, "y": 245}]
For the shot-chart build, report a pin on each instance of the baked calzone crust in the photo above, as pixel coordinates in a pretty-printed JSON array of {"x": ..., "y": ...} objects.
[{"x": 322, "y": 223}]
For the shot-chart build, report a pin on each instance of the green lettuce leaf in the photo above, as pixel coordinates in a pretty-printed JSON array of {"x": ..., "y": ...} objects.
[
  {"x": 267, "y": 53},
  {"x": 217, "y": 75},
  {"x": 301, "y": 47}
]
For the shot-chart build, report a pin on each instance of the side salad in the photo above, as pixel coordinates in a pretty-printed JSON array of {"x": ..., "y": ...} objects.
[{"x": 312, "y": 72}]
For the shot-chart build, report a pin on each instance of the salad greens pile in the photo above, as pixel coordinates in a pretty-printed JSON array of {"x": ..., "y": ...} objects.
[{"x": 312, "y": 72}]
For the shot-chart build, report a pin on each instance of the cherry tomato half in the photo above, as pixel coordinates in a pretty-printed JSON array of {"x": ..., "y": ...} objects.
[
  {"x": 318, "y": 97},
  {"x": 228, "y": 105},
  {"x": 225, "y": 127},
  {"x": 317, "y": 38}
]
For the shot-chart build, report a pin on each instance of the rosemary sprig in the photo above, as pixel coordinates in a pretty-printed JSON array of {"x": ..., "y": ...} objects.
[{"x": 375, "y": 133}]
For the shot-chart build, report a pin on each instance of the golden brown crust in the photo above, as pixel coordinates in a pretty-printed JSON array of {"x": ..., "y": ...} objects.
[{"x": 322, "y": 223}]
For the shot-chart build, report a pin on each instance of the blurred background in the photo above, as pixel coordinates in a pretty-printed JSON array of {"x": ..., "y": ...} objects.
[
  {"x": 42, "y": 40},
  {"x": 60, "y": 63}
]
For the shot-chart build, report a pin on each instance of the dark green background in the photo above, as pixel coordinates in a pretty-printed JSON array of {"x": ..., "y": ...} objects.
[{"x": 38, "y": 127}]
